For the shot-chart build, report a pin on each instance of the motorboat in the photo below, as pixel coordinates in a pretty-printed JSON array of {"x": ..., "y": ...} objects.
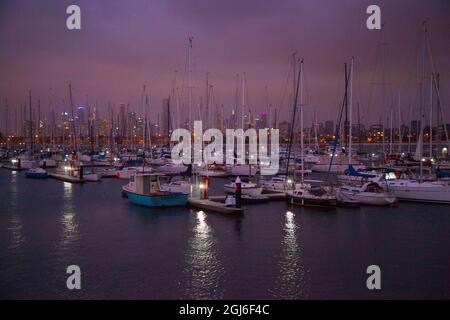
[{"x": 36, "y": 173}]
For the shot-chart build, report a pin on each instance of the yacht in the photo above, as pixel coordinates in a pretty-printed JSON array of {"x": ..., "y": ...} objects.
[
  {"x": 247, "y": 188},
  {"x": 369, "y": 193},
  {"x": 420, "y": 191},
  {"x": 311, "y": 196}
]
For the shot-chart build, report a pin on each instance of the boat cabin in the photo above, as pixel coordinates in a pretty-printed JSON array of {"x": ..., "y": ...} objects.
[{"x": 147, "y": 184}]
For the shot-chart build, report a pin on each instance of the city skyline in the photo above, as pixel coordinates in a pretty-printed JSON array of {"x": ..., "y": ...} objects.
[{"x": 109, "y": 60}]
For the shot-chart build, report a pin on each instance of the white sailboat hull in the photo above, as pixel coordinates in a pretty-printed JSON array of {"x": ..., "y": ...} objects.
[
  {"x": 256, "y": 191},
  {"x": 368, "y": 198},
  {"x": 412, "y": 190}
]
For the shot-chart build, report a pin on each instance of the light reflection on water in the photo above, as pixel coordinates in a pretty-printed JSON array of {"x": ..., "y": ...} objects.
[
  {"x": 203, "y": 270},
  {"x": 69, "y": 224},
  {"x": 291, "y": 280},
  {"x": 15, "y": 221}
]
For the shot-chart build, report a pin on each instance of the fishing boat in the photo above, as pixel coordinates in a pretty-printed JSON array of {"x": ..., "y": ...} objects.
[
  {"x": 36, "y": 173},
  {"x": 247, "y": 188},
  {"x": 369, "y": 193},
  {"x": 144, "y": 189}
]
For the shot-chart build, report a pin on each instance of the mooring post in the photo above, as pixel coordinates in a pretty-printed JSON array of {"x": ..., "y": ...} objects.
[
  {"x": 238, "y": 192},
  {"x": 205, "y": 187}
]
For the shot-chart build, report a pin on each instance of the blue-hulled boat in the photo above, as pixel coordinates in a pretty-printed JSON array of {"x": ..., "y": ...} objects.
[
  {"x": 144, "y": 189},
  {"x": 36, "y": 173}
]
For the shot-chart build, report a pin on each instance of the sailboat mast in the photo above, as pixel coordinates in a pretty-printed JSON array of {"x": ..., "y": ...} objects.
[
  {"x": 190, "y": 83},
  {"x": 431, "y": 117},
  {"x": 6, "y": 122},
  {"x": 422, "y": 116},
  {"x": 301, "y": 122},
  {"x": 350, "y": 113},
  {"x": 243, "y": 101},
  {"x": 291, "y": 131},
  {"x": 74, "y": 131},
  {"x": 391, "y": 129},
  {"x": 31, "y": 124},
  {"x": 400, "y": 134},
  {"x": 409, "y": 129}
]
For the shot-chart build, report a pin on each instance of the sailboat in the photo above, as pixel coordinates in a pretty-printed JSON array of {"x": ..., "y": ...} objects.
[
  {"x": 305, "y": 194},
  {"x": 370, "y": 193},
  {"x": 417, "y": 189},
  {"x": 247, "y": 188}
]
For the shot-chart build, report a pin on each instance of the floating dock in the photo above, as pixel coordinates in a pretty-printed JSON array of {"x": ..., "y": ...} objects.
[
  {"x": 66, "y": 178},
  {"x": 216, "y": 206},
  {"x": 14, "y": 168}
]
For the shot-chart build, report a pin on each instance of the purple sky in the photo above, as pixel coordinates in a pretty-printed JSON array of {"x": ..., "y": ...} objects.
[{"x": 125, "y": 44}]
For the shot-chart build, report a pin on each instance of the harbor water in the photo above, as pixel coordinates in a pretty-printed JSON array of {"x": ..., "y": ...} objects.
[{"x": 273, "y": 251}]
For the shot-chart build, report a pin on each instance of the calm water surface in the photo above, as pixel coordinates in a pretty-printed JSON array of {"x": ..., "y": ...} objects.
[{"x": 273, "y": 252}]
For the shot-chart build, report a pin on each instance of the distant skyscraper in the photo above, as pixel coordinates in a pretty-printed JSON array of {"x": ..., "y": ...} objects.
[
  {"x": 122, "y": 120},
  {"x": 80, "y": 117}
]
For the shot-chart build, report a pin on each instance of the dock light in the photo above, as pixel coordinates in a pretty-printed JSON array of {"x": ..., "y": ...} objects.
[
  {"x": 423, "y": 159},
  {"x": 373, "y": 154},
  {"x": 66, "y": 168},
  {"x": 14, "y": 160}
]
